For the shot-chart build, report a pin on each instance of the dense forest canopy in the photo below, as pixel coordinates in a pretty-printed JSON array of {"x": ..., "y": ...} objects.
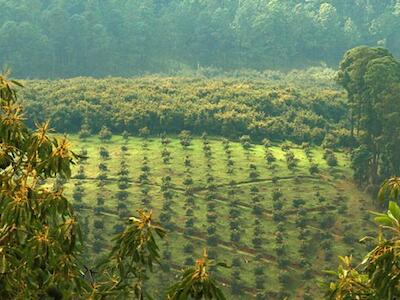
[
  {"x": 231, "y": 107},
  {"x": 65, "y": 38}
]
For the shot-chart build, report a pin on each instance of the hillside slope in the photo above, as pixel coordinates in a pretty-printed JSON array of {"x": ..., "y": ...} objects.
[{"x": 277, "y": 227}]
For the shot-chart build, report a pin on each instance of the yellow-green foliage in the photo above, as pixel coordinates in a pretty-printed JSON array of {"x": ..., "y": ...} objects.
[
  {"x": 326, "y": 202},
  {"x": 230, "y": 107}
]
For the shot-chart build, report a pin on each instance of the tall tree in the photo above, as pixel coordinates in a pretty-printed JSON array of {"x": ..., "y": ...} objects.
[{"x": 371, "y": 77}]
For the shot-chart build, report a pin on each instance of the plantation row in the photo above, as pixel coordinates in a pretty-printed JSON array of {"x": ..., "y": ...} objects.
[{"x": 275, "y": 214}]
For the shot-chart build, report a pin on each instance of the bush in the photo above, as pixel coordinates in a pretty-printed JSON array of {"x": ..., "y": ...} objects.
[
  {"x": 269, "y": 157},
  {"x": 298, "y": 202},
  {"x": 332, "y": 161},
  {"x": 85, "y": 131},
  {"x": 104, "y": 154},
  {"x": 105, "y": 134},
  {"x": 277, "y": 205},
  {"x": 277, "y": 194},
  {"x": 125, "y": 136},
  {"x": 314, "y": 169},
  {"x": 98, "y": 224},
  {"x": 257, "y": 210},
  {"x": 235, "y": 237},
  {"x": 185, "y": 138},
  {"x": 284, "y": 278},
  {"x": 100, "y": 201},
  {"x": 144, "y": 132},
  {"x": 211, "y": 217},
  {"x": 266, "y": 143},
  {"x": 212, "y": 240},
  {"x": 211, "y": 230},
  {"x": 189, "y": 261},
  {"x": 188, "y": 248},
  {"x": 260, "y": 282},
  {"x": 245, "y": 141},
  {"x": 278, "y": 216},
  {"x": 330, "y": 158},
  {"x": 122, "y": 195},
  {"x": 236, "y": 287}
]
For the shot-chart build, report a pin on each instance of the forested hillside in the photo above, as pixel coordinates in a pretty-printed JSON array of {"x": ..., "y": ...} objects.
[
  {"x": 64, "y": 38},
  {"x": 260, "y": 107},
  {"x": 200, "y": 149}
]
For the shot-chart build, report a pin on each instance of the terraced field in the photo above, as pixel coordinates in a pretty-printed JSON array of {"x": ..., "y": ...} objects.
[{"x": 278, "y": 215}]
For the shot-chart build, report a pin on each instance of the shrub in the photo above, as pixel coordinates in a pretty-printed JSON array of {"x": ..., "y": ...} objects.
[
  {"x": 266, "y": 143},
  {"x": 330, "y": 158},
  {"x": 189, "y": 261},
  {"x": 277, "y": 205},
  {"x": 85, "y": 131},
  {"x": 98, "y": 224},
  {"x": 257, "y": 210},
  {"x": 125, "y": 135},
  {"x": 122, "y": 195},
  {"x": 284, "y": 278},
  {"x": 269, "y": 157},
  {"x": 144, "y": 132},
  {"x": 212, "y": 240},
  {"x": 332, "y": 161},
  {"x": 260, "y": 282},
  {"x": 277, "y": 194},
  {"x": 104, "y": 154},
  {"x": 314, "y": 169},
  {"x": 103, "y": 167},
  {"x": 298, "y": 202},
  {"x": 211, "y": 229},
  {"x": 185, "y": 138},
  {"x": 245, "y": 141},
  {"x": 235, "y": 237},
  {"x": 188, "y": 248},
  {"x": 105, "y": 134}
]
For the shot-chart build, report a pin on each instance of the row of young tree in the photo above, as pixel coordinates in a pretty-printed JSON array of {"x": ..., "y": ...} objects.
[
  {"x": 41, "y": 239},
  {"x": 124, "y": 38},
  {"x": 306, "y": 237},
  {"x": 41, "y": 235},
  {"x": 368, "y": 123}
]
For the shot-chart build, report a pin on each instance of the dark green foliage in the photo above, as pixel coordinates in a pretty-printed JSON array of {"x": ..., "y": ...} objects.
[
  {"x": 246, "y": 142},
  {"x": 298, "y": 202},
  {"x": 144, "y": 132},
  {"x": 125, "y": 136},
  {"x": 104, "y": 154},
  {"x": 105, "y": 133},
  {"x": 330, "y": 158},
  {"x": 100, "y": 38},
  {"x": 81, "y": 173},
  {"x": 84, "y": 133},
  {"x": 185, "y": 138},
  {"x": 371, "y": 77},
  {"x": 263, "y": 114},
  {"x": 377, "y": 276},
  {"x": 195, "y": 283},
  {"x": 41, "y": 238}
]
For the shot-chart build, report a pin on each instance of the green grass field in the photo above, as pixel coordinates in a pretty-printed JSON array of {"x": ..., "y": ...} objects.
[{"x": 334, "y": 214}]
